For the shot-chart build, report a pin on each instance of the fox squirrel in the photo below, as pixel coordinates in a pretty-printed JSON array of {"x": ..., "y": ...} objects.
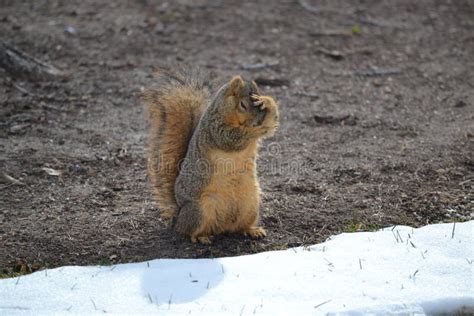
[{"x": 202, "y": 153}]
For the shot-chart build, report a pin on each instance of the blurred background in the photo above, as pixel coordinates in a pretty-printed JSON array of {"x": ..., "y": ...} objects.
[{"x": 376, "y": 128}]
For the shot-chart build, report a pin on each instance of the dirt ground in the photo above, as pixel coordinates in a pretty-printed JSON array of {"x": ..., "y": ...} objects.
[{"x": 376, "y": 128}]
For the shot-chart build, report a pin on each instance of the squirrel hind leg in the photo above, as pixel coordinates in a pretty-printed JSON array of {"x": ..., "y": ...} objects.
[{"x": 190, "y": 222}]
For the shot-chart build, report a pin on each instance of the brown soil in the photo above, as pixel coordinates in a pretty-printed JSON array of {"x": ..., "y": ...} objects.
[{"x": 376, "y": 127}]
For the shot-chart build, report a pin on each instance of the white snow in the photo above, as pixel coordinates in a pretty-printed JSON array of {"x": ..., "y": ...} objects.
[{"x": 399, "y": 271}]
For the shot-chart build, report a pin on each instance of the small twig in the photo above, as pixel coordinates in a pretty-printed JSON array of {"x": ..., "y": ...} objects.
[
  {"x": 255, "y": 310},
  {"x": 398, "y": 233},
  {"x": 360, "y": 264},
  {"x": 308, "y": 7},
  {"x": 347, "y": 33},
  {"x": 20, "y": 64},
  {"x": 322, "y": 229},
  {"x": 334, "y": 54},
  {"x": 347, "y": 119},
  {"x": 370, "y": 22},
  {"x": 377, "y": 72},
  {"x": 242, "y": 310},
  {"x": 96, "y": 274},
  {"x": 20, "y": 88},
  {"x": 11, "y": 179},
  {"x": 21, "y": 308},
  {"x": 395, "y": 236},
  {"x": 321, "y": 304},
  {"x": 313, "y": 95},
  {"x": 169, "y": 301},
  {"x": 208, "y": 5},
  {"x": 329, "y": 263},
  {"x": 452, "y": 234},
  {"x": 413, "y": 275},
  {"x": 378, "y": 23},
  {"x": 317, "y": 10},
  {"x": 93, "y": 303},
  {"x": 261, "y": 65}
]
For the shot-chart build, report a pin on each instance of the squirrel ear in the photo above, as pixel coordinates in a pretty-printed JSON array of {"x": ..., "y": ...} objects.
[
  {"x": 255, "y": 87},
  {"x": 235, "y": 85}
]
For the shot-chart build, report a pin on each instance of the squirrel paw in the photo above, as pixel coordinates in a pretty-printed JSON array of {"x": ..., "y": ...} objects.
[
  {"x": 205, "y": 240},
  {"x": 255, "y": 232},
  {"x": 262, "y": 102}
]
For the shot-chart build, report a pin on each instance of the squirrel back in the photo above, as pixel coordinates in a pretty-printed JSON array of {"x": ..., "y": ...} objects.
[{"x": 175, "y": 107}]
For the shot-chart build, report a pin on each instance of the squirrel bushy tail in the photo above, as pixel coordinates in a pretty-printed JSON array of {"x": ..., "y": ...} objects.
[{"x": 175, "y": 106}]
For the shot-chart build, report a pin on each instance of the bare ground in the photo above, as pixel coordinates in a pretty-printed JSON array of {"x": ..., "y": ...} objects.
[{"x": 376, "y": 128}]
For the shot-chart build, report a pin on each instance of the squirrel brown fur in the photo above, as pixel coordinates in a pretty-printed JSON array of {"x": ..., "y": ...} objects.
[{"x": 202, "y": 153}]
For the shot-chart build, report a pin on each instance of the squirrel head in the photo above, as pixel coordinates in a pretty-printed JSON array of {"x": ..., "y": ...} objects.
[{"x": 240, "y": 109}]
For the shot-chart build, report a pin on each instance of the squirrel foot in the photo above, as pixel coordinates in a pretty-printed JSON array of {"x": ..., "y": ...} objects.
[
  {"x": 255, "y": 232},
  {"x": 205, "y": 240}
]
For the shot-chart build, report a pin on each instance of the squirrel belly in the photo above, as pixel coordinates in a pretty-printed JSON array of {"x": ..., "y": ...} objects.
[
  {"x": 216, "y": 188},
  {"x": 229, "y": 202},
  {"x": 233, "y": 187}
]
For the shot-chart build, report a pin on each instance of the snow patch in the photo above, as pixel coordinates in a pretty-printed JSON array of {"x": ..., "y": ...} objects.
[{"x": 397, "y": 270}]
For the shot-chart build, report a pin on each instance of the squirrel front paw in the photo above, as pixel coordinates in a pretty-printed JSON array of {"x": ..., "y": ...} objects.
[
  {"x": 268, "y": 104},
  {"x": 263, "y": 102}
]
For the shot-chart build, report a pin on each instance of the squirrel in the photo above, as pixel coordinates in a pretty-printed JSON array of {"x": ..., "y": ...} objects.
[{"x": 202, "y": 152}]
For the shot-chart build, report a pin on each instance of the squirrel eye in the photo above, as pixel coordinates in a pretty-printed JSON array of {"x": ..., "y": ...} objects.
[{"x": 242, "y": 105}]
